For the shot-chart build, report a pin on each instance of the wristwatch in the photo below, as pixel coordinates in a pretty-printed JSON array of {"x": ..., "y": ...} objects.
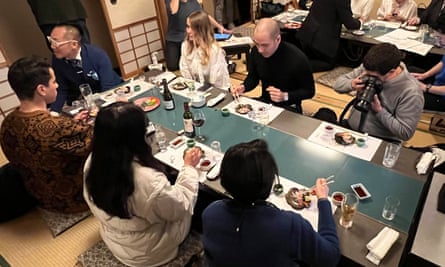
[{"x": 428, "y": 87}]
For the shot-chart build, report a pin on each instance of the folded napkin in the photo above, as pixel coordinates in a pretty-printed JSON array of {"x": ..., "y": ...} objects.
[
  {"x": 440, "y": 156},
  {"x": 379, "y": 245},
  {"x": 424, "y": 162}
]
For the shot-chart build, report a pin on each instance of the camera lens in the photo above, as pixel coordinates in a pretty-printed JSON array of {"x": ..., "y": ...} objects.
[{"x": 365, "y": 97}]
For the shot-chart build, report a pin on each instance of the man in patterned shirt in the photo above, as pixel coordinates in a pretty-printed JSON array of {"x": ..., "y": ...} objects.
[{"x": 48, "y": 149}]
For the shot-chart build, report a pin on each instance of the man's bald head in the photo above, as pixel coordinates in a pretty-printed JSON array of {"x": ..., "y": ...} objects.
[
  {"x": 267, "y": 37},
  {"x": 268, "y": 25}
]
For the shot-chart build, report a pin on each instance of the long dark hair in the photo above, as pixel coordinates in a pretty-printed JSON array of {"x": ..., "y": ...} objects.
[{"x": 119, "y": 139}]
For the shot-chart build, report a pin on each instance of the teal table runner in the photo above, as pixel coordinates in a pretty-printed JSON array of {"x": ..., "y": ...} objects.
[{"x": 303, "y": 161}]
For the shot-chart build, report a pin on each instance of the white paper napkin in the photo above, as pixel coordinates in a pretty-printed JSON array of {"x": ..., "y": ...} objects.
[
  {"x": 424, "y": 162},
  {"x": 379, "y": 245}
]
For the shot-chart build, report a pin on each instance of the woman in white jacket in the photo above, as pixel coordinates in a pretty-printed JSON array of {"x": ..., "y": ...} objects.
[
  {"x": 202, "y": 59},
  {"x": 143, "y": 218}
]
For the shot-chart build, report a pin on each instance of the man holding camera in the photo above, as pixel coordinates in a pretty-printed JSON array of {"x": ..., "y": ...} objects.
[{"x": 389, "y": 99}]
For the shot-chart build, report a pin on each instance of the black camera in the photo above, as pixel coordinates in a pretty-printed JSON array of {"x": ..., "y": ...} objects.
[{"x": 373, "y": 85}]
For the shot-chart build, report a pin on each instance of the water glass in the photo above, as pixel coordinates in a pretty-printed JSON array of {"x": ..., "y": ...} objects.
[
  {"x": 423, "y": 32},
  {"x": 262, "y": 115},
  {"x": 121, "y": 95},
  {"x": 161, "y": 139},
  {"x": 216, "y": 148},
  {"x": 328, "y": 133},
  {"x": 348, "y": 209},
  {"x": 86, "y": 92},
  {"x": 392, "y": 152},
  {"x": 390, "y": 208}
]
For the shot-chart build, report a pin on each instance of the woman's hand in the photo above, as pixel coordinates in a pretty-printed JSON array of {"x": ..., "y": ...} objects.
[
  {"x": 192, "y": 156},
  {"x": 419, "y": 76}
]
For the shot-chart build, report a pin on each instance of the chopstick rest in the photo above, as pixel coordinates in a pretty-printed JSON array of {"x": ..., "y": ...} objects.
[{"x": 379, "y": 245}]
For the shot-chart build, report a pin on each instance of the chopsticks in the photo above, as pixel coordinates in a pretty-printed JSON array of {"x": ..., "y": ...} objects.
[
  {"x": 329, "y": 180},
  {"x": 236, "y": 97}
]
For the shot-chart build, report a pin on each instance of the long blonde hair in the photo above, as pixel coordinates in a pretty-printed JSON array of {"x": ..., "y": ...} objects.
[{"x": 203, "y": 34}]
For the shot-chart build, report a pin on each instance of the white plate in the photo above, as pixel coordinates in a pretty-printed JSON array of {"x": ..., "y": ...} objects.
[
  {"x": 177, "y": 142},
  {"x": 208, "y": 166},
  {"x": 360, "y": 191},
  {"x": 358, "y": 32}
]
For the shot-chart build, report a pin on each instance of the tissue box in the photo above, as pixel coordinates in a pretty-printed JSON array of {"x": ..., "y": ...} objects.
[{"x": 437, "y": 124}]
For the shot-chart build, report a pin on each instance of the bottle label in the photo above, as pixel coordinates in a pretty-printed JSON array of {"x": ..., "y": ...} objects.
[
  {"x": 188, "y": 126},
  {"x": 169, "y": 104}
]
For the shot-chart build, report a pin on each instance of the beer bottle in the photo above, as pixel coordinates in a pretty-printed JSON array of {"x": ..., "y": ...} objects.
[
  {"x": 169, "y": 102},
  {"x": 189, "y": 129}
]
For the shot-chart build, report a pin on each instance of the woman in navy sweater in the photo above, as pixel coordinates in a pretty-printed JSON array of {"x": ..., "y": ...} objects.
[{"x": 249, "y": 231}]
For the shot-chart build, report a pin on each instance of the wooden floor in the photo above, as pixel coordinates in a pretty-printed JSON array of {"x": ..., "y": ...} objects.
[{"x": 27, "y": 241}]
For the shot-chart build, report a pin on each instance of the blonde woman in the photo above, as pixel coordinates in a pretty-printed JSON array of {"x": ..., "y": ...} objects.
[{"x": 201, "y": 57}]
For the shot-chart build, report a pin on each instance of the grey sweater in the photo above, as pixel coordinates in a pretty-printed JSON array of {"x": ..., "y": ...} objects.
[{"x": 402, "y": 101}]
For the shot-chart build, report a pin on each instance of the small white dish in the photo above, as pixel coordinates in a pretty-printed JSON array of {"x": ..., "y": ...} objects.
[
  {"x": 358, "y": 32},
  {"x": 177, "y": 142},
  {"x": 206, "y": 164},
  {"x": 360, "y": 191},
  {"x": 411, "y": 28},
  {"x": 337, "y": 198}
]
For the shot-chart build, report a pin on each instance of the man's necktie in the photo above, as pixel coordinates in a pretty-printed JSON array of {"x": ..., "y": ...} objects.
[{"x": 77, "y": 65}]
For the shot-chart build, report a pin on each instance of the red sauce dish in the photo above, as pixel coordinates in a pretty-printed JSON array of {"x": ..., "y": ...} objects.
[{"x": 360, "y": 191}]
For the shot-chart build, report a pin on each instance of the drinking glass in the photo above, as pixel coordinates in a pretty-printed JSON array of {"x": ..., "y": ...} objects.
[
  {"x": 161, "y": 139},
  {"x": 390, "y": 208},
  {"x": 198, "y": 121},
  {"x": 392, "y": 152},
  {"x": 263, "y": 115},
  {"x": 87, "y": 93},
  {"x": 423, "y": 32},
  {"x": 348, "y": 209},
  {"x": 216, "y": 148}
]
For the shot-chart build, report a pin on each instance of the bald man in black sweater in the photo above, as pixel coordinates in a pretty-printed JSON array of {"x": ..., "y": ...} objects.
[{"x": 282, "y": 68}]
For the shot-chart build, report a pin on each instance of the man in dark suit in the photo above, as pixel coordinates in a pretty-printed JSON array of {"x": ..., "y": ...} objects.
[{"x": 319, "y": 35}]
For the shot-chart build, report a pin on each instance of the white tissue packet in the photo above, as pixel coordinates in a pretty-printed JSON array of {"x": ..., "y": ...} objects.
[{"x": 424, "y": 162}]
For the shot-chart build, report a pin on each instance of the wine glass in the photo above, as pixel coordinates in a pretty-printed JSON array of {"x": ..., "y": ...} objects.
[
  {"x": 198, "y": 121},
  {"x": 87, "y": 93}
]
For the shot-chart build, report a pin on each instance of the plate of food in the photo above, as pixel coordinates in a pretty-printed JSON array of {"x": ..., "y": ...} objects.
[
  {"x": 181, "y": 85},
  {"x": 147, "y": 103},
  {"x": 298, "y": 198},
  {"x": 292, "y": 25},
  {"x": 243, "y": 108},
  {"x": 124, "y": 89},
  {"x": 344, "y": 138}
]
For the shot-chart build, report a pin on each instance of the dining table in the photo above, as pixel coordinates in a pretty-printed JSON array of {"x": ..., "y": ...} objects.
[{"x": 302, "y": 160}]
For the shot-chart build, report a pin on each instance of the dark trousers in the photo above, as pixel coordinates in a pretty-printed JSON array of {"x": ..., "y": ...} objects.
[
  {"x": 434, "y": 102},
  {"x": 172, "y": 55}
]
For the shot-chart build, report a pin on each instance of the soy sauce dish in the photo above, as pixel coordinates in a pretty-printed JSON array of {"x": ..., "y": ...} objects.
[{"x": 360, "y": 191}]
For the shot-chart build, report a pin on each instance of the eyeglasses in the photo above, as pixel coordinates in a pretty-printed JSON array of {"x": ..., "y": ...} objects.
[{"x": 57, "y": 44}]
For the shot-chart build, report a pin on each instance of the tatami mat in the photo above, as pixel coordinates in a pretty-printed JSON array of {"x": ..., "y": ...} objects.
[{"x": 27, "y": 241}]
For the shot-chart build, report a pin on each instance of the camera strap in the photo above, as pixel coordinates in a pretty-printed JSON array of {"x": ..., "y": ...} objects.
[{"x": 362, "y": 114}]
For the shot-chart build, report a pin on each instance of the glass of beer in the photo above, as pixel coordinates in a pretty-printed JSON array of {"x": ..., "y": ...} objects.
[{"x": 348, "y": 209}]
